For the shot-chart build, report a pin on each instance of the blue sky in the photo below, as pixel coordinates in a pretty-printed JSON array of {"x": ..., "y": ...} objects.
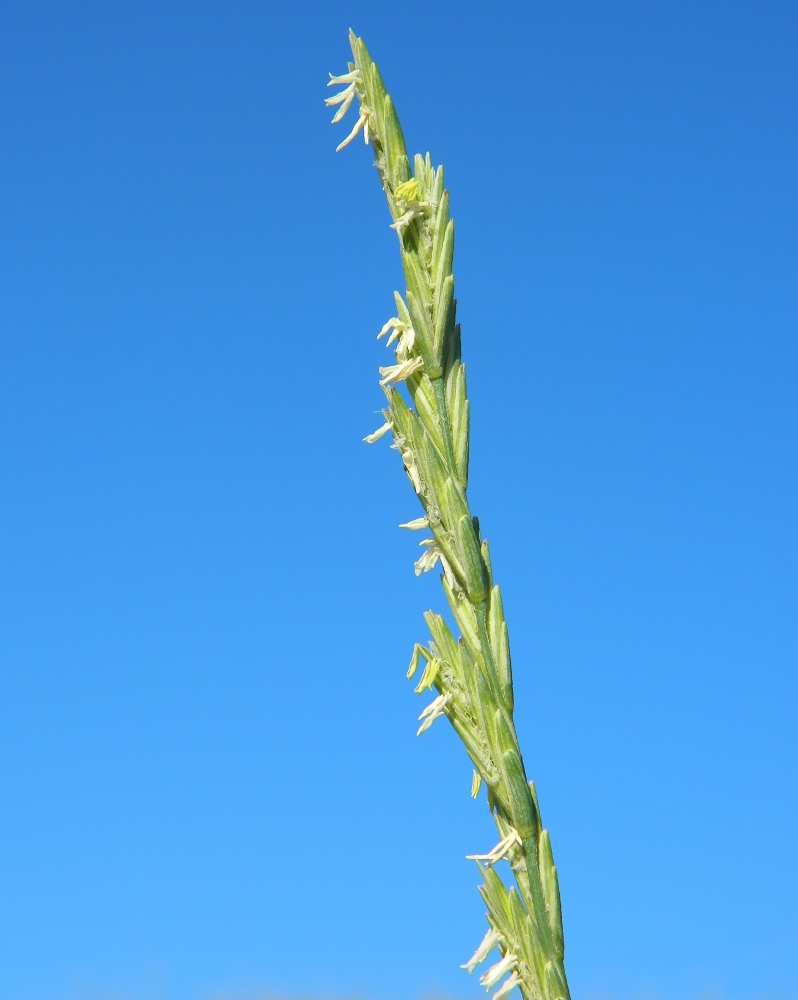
[{"x": 210, "y": 781}]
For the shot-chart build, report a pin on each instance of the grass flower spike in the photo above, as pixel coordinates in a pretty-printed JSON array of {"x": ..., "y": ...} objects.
[{"x": 427, "y": 414}]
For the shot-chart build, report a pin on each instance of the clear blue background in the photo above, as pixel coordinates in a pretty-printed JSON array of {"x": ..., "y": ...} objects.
[{"x": 209, "y": 777}]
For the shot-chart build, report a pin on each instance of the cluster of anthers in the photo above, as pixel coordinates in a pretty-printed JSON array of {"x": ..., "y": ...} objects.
[
  {"x": 406, "y": 195},
  {"x": 406, "y": 365},
  {"x": 344, "y": 97},
  {"x": 507, "y": 963}
]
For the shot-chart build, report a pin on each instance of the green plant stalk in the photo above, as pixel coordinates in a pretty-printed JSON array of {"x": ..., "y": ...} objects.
[{"x": 472, "y": 675}]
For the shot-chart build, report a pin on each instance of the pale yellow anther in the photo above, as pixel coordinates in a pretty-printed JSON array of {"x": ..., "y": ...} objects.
[
  {"x": 407, "y": 191},
  {"x": 349, "y": 77},
  {"x": 339, "y": 114},
  {"x": 431, "y": 671},
  {"x": 398, "y": 373}
]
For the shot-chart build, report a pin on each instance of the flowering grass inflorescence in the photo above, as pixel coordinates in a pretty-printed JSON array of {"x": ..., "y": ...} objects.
[{"x": 472, "y": 675}]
